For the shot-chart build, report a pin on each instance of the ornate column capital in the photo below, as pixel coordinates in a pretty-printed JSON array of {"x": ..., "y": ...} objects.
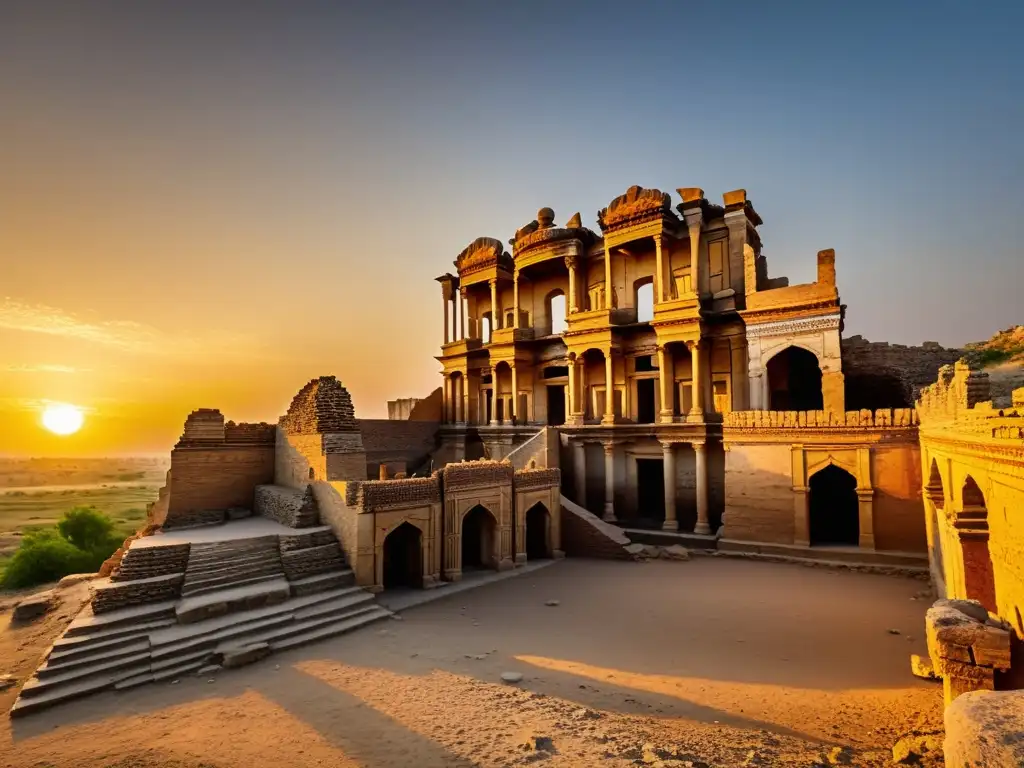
[{"x": 572, "y": 261}]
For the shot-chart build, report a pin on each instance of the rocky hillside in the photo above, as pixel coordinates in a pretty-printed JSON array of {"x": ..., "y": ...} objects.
[{"x": 1002, "y": 358}]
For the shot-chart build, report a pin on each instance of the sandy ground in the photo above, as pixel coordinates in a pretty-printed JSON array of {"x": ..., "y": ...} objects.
[{"x": 708, "y": 662}]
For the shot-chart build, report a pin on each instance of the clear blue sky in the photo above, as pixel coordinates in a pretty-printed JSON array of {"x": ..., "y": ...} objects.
[{"x": 187, "y": 160}]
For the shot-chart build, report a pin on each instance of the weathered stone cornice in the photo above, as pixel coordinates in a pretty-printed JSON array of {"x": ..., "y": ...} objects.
[{"x": 794, "y": 326}]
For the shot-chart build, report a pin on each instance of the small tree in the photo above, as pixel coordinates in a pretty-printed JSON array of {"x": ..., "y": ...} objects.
[{"x": 88, "y": 529}]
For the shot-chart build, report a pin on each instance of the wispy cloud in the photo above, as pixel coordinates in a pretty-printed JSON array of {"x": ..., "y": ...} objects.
[
  {"x": 44, "y": 368},
  {"x": 126, "y": 335}
]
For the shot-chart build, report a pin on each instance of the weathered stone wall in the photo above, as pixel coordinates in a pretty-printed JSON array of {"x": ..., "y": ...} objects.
[
  {"x": 972, "y": 462},
  {"x": 374, "y": 495},
  {"x": 323, "y": 406},
  {"x": 759, "y": 494},
  {"x": 471, "y": 474},
  {"x": 400, "y": 445},
  {"x": 896, "y": 476},
  {"x": 288, "y": 506},
  {"x": 585, "y": 535},
  {"x": 879, "y": 374},
  {"x": 206, "y": 480}
]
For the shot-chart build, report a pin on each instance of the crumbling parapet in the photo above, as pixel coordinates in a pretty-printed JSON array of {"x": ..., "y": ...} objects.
[{"x": 966, "y": 646}]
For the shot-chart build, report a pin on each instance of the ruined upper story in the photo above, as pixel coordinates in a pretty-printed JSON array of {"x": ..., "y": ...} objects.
[
  {"x": 695, "y": 260},
  {"x": 957, "y": 407}
]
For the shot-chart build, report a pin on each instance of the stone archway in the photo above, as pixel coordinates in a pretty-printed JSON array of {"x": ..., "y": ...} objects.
[
  {"x": 538, "y": 532},
  {"x": 834, "y": 510},
  {"x": 972, "y": 528},
  {"x": 403, "y": 557},
  {"x": 794, "y": 381},
  {"x": 479, "y": 539}
]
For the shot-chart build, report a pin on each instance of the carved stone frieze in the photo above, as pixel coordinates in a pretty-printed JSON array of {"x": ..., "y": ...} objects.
[
  {"x": 794, "y": 327},
  {"x": 483, "y": 253},
  {"x": 636, "y": 205}
]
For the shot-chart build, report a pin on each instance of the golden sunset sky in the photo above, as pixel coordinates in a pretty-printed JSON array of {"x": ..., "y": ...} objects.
[{"x": 208, "y": 204}]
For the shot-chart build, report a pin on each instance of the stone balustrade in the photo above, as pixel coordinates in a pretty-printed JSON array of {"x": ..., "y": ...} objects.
[{"x": 898, "y": 418}]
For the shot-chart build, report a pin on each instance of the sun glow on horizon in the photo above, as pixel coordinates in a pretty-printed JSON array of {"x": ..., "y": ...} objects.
[{"x": 63, "y": 418}]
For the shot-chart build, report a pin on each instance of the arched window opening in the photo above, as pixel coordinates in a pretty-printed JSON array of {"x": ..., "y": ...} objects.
[
  {"x": 402, "y": 553},
  {"x": 794, "y": 381},
  {"x": 478, "y": 539},
  {"x": 972, "y": 527},
  {"x": 555, "y": 312},
  {"x": 538, "y": 532},
  {"x": 644, "y": 299},
  {"x": 834, "y": 511},
  {"x": 485, "y": 328}
]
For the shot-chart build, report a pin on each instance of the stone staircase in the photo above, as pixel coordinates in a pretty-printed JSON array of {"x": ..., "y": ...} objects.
[{"x": 252, "y": 596}]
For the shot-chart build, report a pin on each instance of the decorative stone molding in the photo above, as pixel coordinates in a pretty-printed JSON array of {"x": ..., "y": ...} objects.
[
  {"x": 766, "y": 421},
  {"x": 635, "y": 206},
  {"x": 483, "y": 253},
  {"x": 794, "y": 327}
]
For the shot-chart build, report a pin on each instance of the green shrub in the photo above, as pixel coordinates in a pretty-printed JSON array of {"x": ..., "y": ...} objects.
[
  {"x": 80, "y": 542},
  {"x": 88, "y": 529}
]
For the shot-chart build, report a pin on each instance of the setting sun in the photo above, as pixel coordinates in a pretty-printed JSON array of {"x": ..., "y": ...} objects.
[{"x": 63, "y": 419}]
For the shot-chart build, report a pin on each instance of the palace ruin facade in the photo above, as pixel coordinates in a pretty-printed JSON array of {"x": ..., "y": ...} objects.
[{"x": 647, "y": 384}]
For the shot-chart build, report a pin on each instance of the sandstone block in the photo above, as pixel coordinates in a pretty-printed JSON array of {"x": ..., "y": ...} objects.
[
  {"x": 921, "y": 666},
  {"x": 246, "y": 654},
  {"x": 917, "y": 748},
  {"x": 34, "y": 606},
  {"x": 675, "y": 552},
  {"x": 985, "y": 728}
]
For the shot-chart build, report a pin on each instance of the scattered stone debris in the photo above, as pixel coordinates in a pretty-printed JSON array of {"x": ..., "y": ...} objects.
[
  {"x": 918, "y": 748},
  {"x": 75, "y": 578},
  {"x": 552, "y": 603},
  {"x": 209, "y": 669},
  {"x": 894, "y": 631},
  {"x": 34, "y": 606},
  {"x": 511, "y": 677},
  {"x": 246, "y": 654},
  {"x": 539, "y": 744},
  {"x": 655, "y": 552},
  {"x": 922, "y": 667},
  {"x": 7, "y": 681},
  {"x": 675, "y": 552},
  {"x": 840, "y": 756}
]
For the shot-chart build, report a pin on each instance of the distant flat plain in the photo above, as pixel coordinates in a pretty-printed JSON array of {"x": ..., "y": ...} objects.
[{"x": 37, "y": 492}]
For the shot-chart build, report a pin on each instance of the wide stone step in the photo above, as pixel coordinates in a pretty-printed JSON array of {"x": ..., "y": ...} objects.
[
  {"x": 177, "y": 670},
  {"x": 212, "y": 585},
  {"x": 208, "y": 639},
  {"x": 213, "y": 563},
  {"x": 221, "y": 601},
  {"x": 236, "y": 546},
  {"x": 319, "y": 582},
  {"x": 323, "y": 630},
  {"x": 90, "y": 623},
  {"x": 59, "y": 664},
  {"x": 105, "y": 669},
  {"x": 113, "y": 635},
  {"x": 336, "y": 606},
  {"x": 132, "y": 682},
  {"x": 200, "y": 655},
  {"x": 48, "y": 698},
  {"x": 281, "y": 634}
]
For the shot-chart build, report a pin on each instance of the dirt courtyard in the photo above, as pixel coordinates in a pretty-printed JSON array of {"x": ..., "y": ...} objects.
[{"x": 714, "y": 662}]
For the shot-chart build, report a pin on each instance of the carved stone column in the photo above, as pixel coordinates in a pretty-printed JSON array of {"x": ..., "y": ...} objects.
[
  {"x": 659, "y": 269},
  {"x": 696, "y": 413},
  {"x": 446, "y": 397},
  {"x": 801, "y": 516},
  {"x": 665, "y": 382},
  {"x": 609, "y": 389},
  {"x": 669, "y": 470},
  {"x": 495, "y": 309},
  {"x": 572, "y": 262},
  {"x": 608, "y": 304},
  {"x": 702, "y": 525},
  {"x": 464, "y": 304},
  {"x": 695, "y": 270},
  {"x": 446, "y": 321},
  {"x": 571, "y": 388},
  {"x": 738, "y": 372},
  {"x": 866, "y": 517},
  {"x": 579, "y": 472},
  {"x": 514, "y": 410},
  {"x": 515, "y": 298},
  {"x": 609, "y": 481}
]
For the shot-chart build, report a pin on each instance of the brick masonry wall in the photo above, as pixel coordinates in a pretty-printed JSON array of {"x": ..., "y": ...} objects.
[
  {"x": 878, "y": 372},
  {"x": 405, "y": 443},
  {"x": 582, "y": 536},
  {"x": 388, "y": 494},
  {"x": 288, "y": 506},
  {"x": 216, "y": 478},
  {"x": 322, "y": 406}
]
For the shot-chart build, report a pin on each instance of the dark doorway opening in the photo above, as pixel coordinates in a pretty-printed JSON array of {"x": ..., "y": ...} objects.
[
  {"x": 403, "y": 564},
  {"x": 794, "y": 381},
  {"x": 556, "y": 404},
  {"x": 645, "y": 401},
  {"x": 478, "y": 539},
  {"x": 650, "y": 481},
  {"x": 538, "y": 523},
  {"x": 833, "y": 508},
  {"x": 500, "y": 409}
]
